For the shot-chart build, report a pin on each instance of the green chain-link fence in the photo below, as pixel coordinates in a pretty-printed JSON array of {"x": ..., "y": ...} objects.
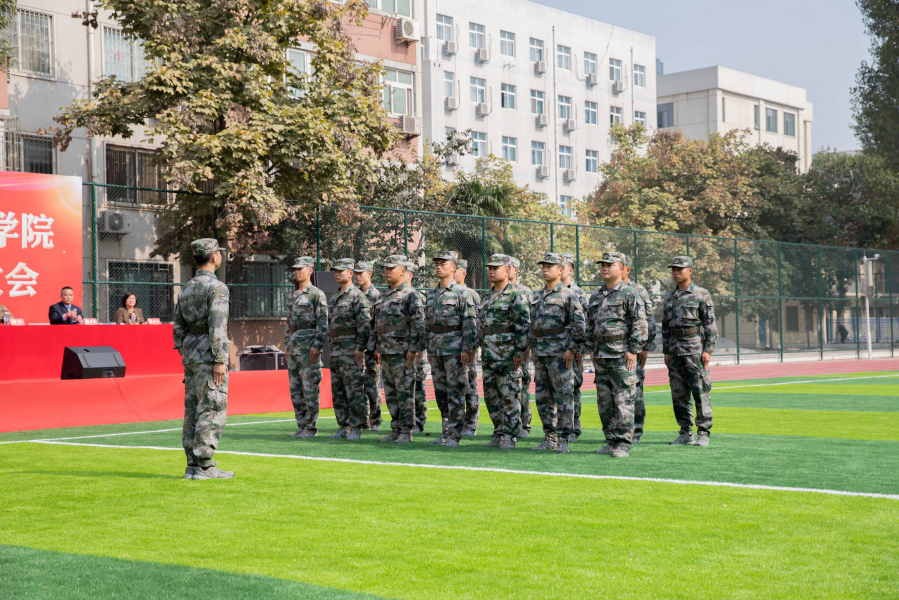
[{"x": 771, "y": 298}]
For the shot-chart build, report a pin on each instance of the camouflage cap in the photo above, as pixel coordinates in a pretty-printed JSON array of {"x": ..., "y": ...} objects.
[
  {"x": 205, "y": 246},
  {"x": 551, "y": 258},
  {"x": 394, "y": 260},
  {"x": 681, "y": 261},
  {"x": 462, "y": 263},
  {"x": 343, "y": 264},
  {"x": 362, "y": 267},
  {"x": 500, "y": 260},
  {"x": 411, "y": 267},
  {"x": 516, "y": 263},
  {"x": 613, "y": 257},
  {"x": 568, "y": 258},
  {"x": 447, "y": 255},
  {"x": 626, "y": 261},
  {"x": 304, "y": 261}
]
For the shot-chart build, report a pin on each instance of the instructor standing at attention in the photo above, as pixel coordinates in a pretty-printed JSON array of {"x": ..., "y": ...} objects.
[{"x": 201, "y": 336}]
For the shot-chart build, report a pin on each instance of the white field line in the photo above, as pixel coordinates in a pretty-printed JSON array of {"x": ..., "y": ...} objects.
[{"x": 748, "y": 486}]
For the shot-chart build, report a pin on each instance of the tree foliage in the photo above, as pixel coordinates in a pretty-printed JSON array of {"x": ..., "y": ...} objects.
[{"x": 7, "y": 21}]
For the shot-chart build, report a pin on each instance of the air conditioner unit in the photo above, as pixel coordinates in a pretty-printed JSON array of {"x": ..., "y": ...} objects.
[
  {"x": 450, "y": 47},
  {"x": 618, "y": 87},
  {"x": 483, "y": 109},
  {"x": 407, "y": 30},
  {"x": 451, "y": 103},
  {"x": 569, "y": 174},
  {"x": 411, "y": 126},
  {"x": 540, "y": 67},
  {"x": 592, "y": 78},
  {"x": 110, "y": 222},
  {"x": 542, "y": 172},
  {"x": 482, "y": 55},
  {"x": 542, "y": 120},
  {"x": 570, "y": 124},
  {"x": 452, "y": 159}
]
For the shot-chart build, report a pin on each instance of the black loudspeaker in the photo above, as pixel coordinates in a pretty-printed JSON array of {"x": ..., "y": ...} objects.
[
  {"x": 92, "y": 362},
  {"x": 262, "y": 361}
]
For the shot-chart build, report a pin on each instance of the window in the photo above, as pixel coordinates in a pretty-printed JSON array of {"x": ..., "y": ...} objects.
[
  {"x": 475, "y": 35},
  {"x": 449, "y": 84},
  {"x": 478, "y": 89},
  {"x": 398, "y": 92},
  {"x": 536, "y": 102},
  {"x": 507, "y": 43},
  {"x": 37, "y": 155},
  {"x": 538, "y": 149},
  {"x": 565, "y": 204},
  {"x": 536, "y": 47},
  {"x": 639, "y": 76},
  {"x": 31, "y": 38},
  {"x": 564, "y": 107},
  {"x": 565, "y": 155},
  {"x": 590, "y": 111},
  {"x": 789, "y": 124},
  {"x": 614, "y": 115},
  {"x": 771, "y": 120},
  {"x": 134, "y": 167},
  {"x": 157, "y": 300},
  {"x": 723, "y": 110},
  {"x": 444, "y": 28},
  {"x": 640, "y": 117},
  {"x": 300, "y": 62},
  {"x": 665, "y": 115},
  {"x": 592, "y": 161},
  {"x": 399, "y": 7},
  {"x": 507, "y": 97},
  {"x": 614, "y": 69},
  {"x": 510, "y": 149},
  {"x": 755, "y": 116},
  {"x": 478, "y": 144},
  {"x": 122, "y": 57},
  {"x": 792, "y": 314},
  {"x": 448, "y": 132},
  {"x": 589, "y": 63},
  {"x": 564, "y": 57}
]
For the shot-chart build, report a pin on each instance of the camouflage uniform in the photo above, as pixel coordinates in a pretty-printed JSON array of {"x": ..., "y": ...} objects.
[
  {"x": 506, "y": 318},
  {"x": 398, "y": 327},
  {"x": 616, "y": 318},
  {"x": 472, "y": 401},
  {"x": 452, "y": 326},
  {"x": 640, "y": 405},
  {"x": 349, "y": 320},
  {"x": 421, "y": 399},
  {"x": 578, "y": 366},
  {"x": 524, "y": 374},
  {"x": 306, "y": 328},
  {"x": 688, "y": 330},
  {"x": 372, "y": 368},
  {"x": 557, "y": 325},
  {"x": 201, "y": 336}
]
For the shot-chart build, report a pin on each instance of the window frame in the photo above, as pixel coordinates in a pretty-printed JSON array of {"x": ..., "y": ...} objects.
[
  {"x": 563, "y": 54},
  {"x": 482, "y": 90},
  {"x": 379, "y": 6},
  {"x": 638, "y": 118},
  {"x": 668, "y": 109},
  {"x": 17, "y": 36},
  {"x": 565, "y": 105},
  {"x": 541, "y": 101},
  {"x": 770, "y": 117},
  {"x": 566, "y": 157},
  {"x": 614, "y": 69},
  {"x": 536, "y": 46},
  {"x": 590, "y": 64},
  {"x": 476, "y": 36},
  {"x": 591, "y": 113},
  {"x": 451, "y": 82},
  {"x": 505, "y": 95},
  {"x": 477, "y": 143},
  {"x": 398, "y": 85},
  {"x": 137, "y": 173},
  {"x": 565, "y": 205},
  {"x": 538, "y": 149},
  {"x": 789, "y": 131},
  {"x": 592, "y": 161},
  {"x": 639, "y": 76},
  {"x": 136, "y": 57},
  {"x": 43, "y": 139},
  {"x": 443, "y": 26},
  {"x": 510, "y": 148},
  {"x": 616, "y": 112},
  {"x": 505, "y": 42},
  {"x": 757, "y": 116}
]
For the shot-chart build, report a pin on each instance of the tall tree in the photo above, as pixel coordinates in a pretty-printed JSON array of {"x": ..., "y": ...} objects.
[
  {"x": 232, "y": 112},
  {"x": 7, "y": 22}
]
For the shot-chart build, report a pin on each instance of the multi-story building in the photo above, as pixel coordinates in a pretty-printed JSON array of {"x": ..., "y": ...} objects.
[
  {"x": 717, "y": 100},
  {"x": 537, "y": 86}
]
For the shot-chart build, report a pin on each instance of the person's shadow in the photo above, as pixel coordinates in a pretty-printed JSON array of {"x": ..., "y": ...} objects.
[{"x": 129, "y": 475}]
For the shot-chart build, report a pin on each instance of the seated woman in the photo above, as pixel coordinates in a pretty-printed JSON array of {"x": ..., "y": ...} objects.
[
  {"x": 5, "y": 316},
  {"x": 128, "y": 313}
]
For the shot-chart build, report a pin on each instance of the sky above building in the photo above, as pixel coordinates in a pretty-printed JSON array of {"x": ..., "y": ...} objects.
[{"x": 814, "y": 44}]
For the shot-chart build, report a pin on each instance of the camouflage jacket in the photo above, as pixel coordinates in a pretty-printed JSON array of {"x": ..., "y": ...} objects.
[
  {"x": 616, "y": 312},
  {"x": 398, "y": 322},
  {"x": 307, "y": 321},
  {"x": 372, "y": 293},
  {"x": 528, "y": 291},
  {"x": 203, "y": 303},
  {"x": 557, "y": 308},
  {"x": 650, "y": 317},
  {"x": 584, "y": 299},
  {"x": 451, "y": 307},
  {"x": 691, "y": 307},
  {"x": 508, "y": 307},
  {"x": 350, "y": 311},
  {"x": 476, "y": 300}
]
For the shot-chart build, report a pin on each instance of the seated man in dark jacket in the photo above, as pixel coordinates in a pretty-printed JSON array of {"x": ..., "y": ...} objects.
[{"x": 64, "y": 312}]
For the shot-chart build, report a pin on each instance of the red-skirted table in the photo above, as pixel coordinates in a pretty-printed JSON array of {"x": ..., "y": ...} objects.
[{"x": 32, "y": 395}]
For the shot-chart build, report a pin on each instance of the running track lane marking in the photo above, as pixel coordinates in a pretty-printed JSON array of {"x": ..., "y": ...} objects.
[
  {"x": 734, "y": 387},
  {"x": 749, "y": 486}
]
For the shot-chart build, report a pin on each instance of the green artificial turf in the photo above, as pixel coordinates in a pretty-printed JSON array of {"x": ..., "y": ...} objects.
[{"x": 420, "y": 533}]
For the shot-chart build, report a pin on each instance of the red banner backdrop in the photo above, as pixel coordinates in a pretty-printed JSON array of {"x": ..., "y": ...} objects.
[{"x": 40, "y": 242}]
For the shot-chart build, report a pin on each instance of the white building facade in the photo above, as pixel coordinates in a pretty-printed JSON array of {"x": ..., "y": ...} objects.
[
  {"x": 717, "y": 100},
  {"x": 537, "y": 86}
]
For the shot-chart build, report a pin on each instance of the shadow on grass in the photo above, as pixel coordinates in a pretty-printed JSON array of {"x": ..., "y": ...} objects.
[{"x": 98, "y": 474}]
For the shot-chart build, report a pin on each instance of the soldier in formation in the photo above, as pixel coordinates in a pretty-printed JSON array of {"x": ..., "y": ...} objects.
[
  {"x": 472, "y": 399},
  {"x": 640, "y": 405},
  {"x": 524, "y": 373},
  {"x": 568, "y": 281},
  {"x": 201, "y": 337},
  {"x": 362, "y": 273},
  {"x": 421, "y": 361}
]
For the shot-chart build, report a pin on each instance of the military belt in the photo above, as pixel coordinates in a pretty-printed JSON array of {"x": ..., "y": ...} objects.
[
  {"x": 551, "y": 331},
  {"x": 613, "y": 337},
  {"x": 497, "y": 330},
  {"x": 200, "y": 330},
  {"x": 389, "y": 328},
  {"x": 338, "y": 332},
  {"x": 294, "y": 329},
  {"x": 684, "y": 332},
  {"x": 436, "y": 329}
]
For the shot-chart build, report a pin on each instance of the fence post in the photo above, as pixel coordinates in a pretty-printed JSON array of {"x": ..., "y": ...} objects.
[
  {"x": 318, "y": 235},
  {"x": 636, "y": 259},
  {"x": 552, "y": 237},
  {"x": 688, "y": 244},
  {"x": 95, "y": 260},
  {"x": 780, "y": 305},
  {"x": 406, "y": 233},
  {"x": 484, "y": 252},
  {"x": 577, "y": 254},
  {"x": 737, "y": 298},
  {"x": 820, "y": 305}
]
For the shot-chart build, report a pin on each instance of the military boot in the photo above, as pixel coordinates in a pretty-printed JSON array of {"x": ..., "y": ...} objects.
[
  {"x": 524, "y": 433},
  {"x": 547, "y": 444},
  {"x": 353, "y": 434},
  {"x": 375, "y": 428},
  {"x": 296, "y": 433},
  {"x": 212, "y": 472},
  {"x": 404, "y": 438},
  {"x": 572, "y": 438},
  {"x": 416, "y": 430},
  {"x": 493, "y": 443},
  {"x": 702, "y": 439},
  {"x": 636, "y": 439},
  {"x": 508, "y": 442},
  {"x": 562, "y": 447},
  {"x": 684, "y": 439},
  {"x": 469, "y": 432},
  {"x": 390, "y": 437},
  {"x": 341, "y": 433},
  {"x": 604, "y": 450},
  {"x": 620, "y": 452},
  {"x": 452, "y": 442},
  {"x": 189, "y": 471}
]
